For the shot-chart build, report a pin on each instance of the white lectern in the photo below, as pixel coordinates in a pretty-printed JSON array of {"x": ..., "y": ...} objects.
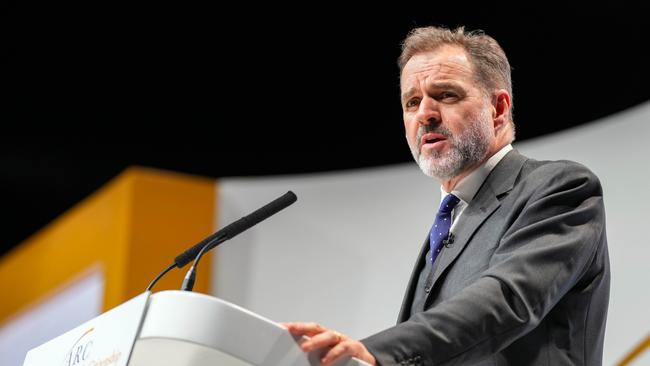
[{"x": 176, "y": 328}]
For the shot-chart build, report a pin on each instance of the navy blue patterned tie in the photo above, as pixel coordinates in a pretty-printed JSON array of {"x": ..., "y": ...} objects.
[{"x": 440, "y": 228}]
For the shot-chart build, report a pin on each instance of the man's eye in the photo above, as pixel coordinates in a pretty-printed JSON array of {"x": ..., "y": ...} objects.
[
  {"x": 447, "y": 96},
  {"x": 412, "y": 103}
]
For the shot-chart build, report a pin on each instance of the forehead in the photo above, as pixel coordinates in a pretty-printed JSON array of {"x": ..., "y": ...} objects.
[{"x": 449, "y": 63}]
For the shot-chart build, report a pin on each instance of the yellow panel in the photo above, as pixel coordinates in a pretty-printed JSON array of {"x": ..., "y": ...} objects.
[
  {"x": 132, "y": 229},
  {"x": 171, "y": 215}
]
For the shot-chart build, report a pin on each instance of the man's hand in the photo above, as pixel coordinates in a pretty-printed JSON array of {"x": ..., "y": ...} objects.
[{"x": 339, "y": 345}]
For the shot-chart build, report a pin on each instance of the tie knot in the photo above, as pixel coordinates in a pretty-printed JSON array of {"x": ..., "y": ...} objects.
[{"x": 448, "y": 203}]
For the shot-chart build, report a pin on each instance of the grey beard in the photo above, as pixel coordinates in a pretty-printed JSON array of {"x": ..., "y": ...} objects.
[{"x": 468, "y": 148}]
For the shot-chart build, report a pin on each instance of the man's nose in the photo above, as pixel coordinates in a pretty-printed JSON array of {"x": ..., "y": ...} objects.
[{"x": 428, "y": 112}]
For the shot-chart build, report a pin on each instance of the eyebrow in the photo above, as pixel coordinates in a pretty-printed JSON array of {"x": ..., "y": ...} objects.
[{"x": 435, "y": 85}]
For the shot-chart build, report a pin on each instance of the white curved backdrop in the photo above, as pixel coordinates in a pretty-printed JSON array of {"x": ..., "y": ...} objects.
[{"x": 342, "y": 254}]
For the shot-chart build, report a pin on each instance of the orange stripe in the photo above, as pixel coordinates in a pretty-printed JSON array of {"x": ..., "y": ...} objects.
[{"x": 636, "y": 351}]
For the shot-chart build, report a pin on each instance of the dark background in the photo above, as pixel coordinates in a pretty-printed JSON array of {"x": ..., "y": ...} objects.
[{"x": 91, "y": 88}]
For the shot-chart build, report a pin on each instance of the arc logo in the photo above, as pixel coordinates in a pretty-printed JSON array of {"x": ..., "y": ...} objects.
[{"x": 81, "y": 349}]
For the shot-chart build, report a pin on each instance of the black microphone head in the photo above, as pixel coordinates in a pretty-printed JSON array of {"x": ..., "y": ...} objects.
[
  {"x": 237, "y": 227},
  {"x": 291, "y": 196},
  {"x": 260, "y": 214}
]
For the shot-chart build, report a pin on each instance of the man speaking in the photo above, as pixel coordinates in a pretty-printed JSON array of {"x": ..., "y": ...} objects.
[{"x": 514, "y": 270}]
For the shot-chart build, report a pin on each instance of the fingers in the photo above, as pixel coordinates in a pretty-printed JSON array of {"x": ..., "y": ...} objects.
[
  {"x": 328, "y": 338},
  {"x": 347, "y": 348},
  {"x": 336, "y": 344},
  {"x": 338, "y": 351},
  {"x": 304, "y": 329},
  {"x": 321, "y": 337}
]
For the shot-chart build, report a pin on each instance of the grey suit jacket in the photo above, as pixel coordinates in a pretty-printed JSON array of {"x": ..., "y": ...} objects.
[{"x": 526, "y": 281}]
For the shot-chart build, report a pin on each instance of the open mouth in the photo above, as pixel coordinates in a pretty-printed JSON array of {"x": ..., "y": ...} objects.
[
  {"x": 432, "y": 138},
  {"x": 431, "y": 141}
]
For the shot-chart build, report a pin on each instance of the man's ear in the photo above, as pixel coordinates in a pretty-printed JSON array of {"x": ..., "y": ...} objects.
[{"x": 500, "y": 109}]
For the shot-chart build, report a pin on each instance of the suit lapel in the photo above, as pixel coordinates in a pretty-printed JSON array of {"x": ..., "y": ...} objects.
[{"x": 485, "y": 202}]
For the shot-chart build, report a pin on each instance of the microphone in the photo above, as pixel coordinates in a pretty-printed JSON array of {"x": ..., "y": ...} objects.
[
  {"x": 228, "y": 232},
  {"x": 449, "y": 242},
  {"x": 238, "y": 227}
]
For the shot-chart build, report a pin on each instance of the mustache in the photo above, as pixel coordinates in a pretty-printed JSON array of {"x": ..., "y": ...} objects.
[{"x": 422, "y": 130}]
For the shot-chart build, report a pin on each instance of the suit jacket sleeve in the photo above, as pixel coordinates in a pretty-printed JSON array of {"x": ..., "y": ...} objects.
[{"x": 542, "y": 254}]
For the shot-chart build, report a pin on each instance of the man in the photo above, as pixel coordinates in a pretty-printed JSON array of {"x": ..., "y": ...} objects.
[{"x": 515, "y": 269}]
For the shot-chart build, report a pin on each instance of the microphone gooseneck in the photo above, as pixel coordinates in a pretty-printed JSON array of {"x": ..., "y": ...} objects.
[
  {"x": 196, "y": 252},
  {"x": 230, "y": 232}
]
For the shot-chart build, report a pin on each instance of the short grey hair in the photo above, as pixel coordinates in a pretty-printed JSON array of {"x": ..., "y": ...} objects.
[{"x": 491, "y": 66}]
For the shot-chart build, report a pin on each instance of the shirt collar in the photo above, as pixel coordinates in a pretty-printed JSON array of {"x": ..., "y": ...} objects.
[{"x": 468, "y": 186}]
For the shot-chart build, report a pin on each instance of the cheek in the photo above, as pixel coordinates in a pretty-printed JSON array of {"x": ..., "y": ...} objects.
[
  {"x": 411, "y": 131},
  {"x": 454, "y": 120},
  {"x": 461, "y": 120}
]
